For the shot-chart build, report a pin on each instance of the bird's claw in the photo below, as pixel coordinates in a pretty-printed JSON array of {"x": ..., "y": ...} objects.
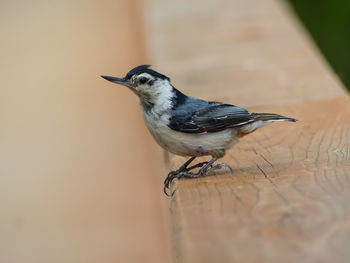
[
  {"x": 221, "y": 165},
  {"x": 171, "y": 176},
  {"x": 185, "y": 173}
]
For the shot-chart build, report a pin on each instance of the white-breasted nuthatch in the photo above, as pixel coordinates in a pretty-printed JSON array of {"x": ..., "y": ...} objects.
[{"x": 188, "y": 126}]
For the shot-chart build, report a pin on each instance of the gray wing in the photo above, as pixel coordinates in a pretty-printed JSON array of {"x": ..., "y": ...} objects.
[{"x": 209, "y": 117}]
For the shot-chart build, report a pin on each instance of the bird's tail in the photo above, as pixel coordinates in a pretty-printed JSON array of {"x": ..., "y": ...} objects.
[
  {"x": 261, "y": 120},
  {"x": 271, "y": 117}
]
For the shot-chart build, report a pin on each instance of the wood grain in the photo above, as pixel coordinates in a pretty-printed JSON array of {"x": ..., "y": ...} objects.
[
  {"x": 289, "y": 197},
  {"x": 254, "y": 50},
  {"x": 287, "y": 201}
]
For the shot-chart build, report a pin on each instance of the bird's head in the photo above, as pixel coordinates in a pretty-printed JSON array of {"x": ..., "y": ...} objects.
[{"x": 149, "y": 85}]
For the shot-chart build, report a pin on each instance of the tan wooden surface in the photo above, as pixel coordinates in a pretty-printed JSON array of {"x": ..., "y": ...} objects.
[
  {"x": 248, "y": 52},
  {"x": 288, "y": 199}
]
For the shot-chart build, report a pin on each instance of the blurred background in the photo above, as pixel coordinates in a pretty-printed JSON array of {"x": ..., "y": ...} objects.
[
  {"x": 80, "y": 177},
  {"x": 78, "y": 182},
  {"x": 328, "y": 23}
]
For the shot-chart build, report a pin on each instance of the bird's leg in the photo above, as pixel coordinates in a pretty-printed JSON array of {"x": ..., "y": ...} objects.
[
  {"x": 196, "y": 166},
  {"x": 202, "y": 171},
  {"x": 172, "y": 175},
  {"x": 217, "y": 154},
  {"x": 184, "y": 171},
  {"x": 184, "y": 166},
  {"x": 205, "y": 170}
]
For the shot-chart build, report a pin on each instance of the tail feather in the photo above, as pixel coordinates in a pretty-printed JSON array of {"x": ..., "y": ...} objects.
[
  {"x": 271, "y": 117},
  {"x": 260, "y": 120}
]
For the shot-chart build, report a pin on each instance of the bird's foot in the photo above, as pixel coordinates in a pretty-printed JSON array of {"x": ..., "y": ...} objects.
[
  {"x": 179, "y": 173},
  {"x": 206, "y": 169},
  {"x": 220, "y": 166}
]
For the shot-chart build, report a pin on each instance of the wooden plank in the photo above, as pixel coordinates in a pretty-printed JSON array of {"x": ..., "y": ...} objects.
[
  {"x": 288, "y": 199},
  {"x": 250, "y": 50}
]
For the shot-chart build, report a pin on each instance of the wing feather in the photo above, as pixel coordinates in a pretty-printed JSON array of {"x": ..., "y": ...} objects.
[{"x": 212, "y": 117}]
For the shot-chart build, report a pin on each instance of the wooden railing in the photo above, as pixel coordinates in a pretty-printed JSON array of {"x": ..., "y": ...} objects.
[{"x": 289, "y": 197}]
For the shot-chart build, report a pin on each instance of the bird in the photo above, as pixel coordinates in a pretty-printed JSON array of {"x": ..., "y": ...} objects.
[{"x": 189, "y": 126}]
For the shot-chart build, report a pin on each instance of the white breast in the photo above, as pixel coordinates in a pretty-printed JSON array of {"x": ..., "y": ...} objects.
[{"x": 187, "y": 144}]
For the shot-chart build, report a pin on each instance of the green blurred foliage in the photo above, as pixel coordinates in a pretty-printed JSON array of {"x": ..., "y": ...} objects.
[{"x": 328, "y": 22}]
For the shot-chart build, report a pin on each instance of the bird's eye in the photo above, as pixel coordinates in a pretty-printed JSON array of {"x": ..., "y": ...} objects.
[{"x": 143, "y": 80}]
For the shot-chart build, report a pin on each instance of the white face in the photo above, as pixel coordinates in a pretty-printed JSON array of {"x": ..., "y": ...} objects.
[
  {"x": 150, "y": 88},
  {"x": 142, "y": 82}
]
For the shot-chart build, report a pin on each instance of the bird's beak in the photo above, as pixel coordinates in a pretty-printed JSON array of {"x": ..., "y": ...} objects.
[{"x": 120, "y": 81}]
